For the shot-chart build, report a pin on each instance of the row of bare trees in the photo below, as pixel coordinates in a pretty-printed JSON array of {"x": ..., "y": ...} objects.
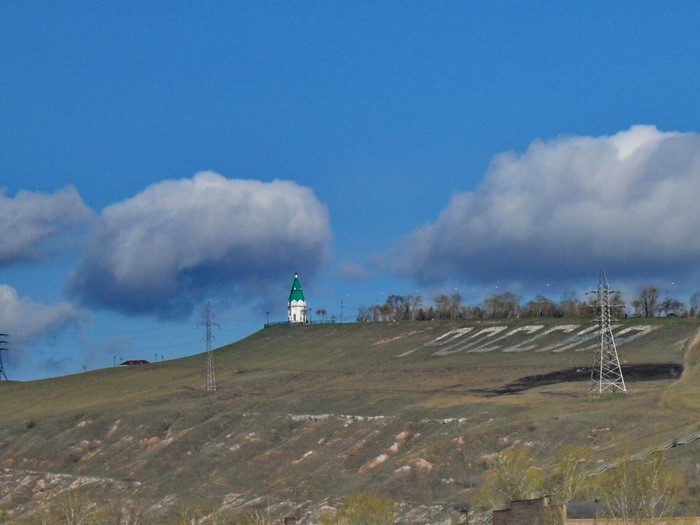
[
  {"x": 508, "y": 305},
  {"x": 649, "y": 304}
]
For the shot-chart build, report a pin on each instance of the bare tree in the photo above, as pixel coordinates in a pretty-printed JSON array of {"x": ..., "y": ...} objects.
[
  {"x": 671, "y": 307},
  {"x": 502, "y": 305},
  {"x": 513, "y": 475},
  {"x": 570, "y": 473},
  {"x": 618, "y": 308},
  {"x": 541, "y": 306},
  {"x": 570, "y": 305},
  {"x": 646, "y": 303},
  {"x": 641, "y": 491},
  {"x": 695, "y": 304},
  {"x": 448, "y": 306},
  {"x": 364, "y": 314},
  {"x": 414, "y": 305}
]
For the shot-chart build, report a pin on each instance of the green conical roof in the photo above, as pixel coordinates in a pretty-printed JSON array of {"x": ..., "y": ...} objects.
[{"x": 296, "y": 294}]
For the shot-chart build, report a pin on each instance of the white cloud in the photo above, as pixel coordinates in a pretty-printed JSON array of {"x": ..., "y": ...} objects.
[
  {"x": 567, "y": 207},
  {"x": 179, "y": 241},
  {"x": 27, "y": 321},
  {"x": 31, "y": 222}
]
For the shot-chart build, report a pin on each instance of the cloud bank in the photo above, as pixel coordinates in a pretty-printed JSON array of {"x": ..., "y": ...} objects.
[
  {"x": 27, "y": 321},
  {"x": 32, "y": 223},
  {"x": 180, "y": 241},
  {"x": 567, "y": 207}
]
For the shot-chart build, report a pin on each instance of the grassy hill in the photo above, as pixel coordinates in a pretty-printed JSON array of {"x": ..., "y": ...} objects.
[{"x": 304, "y": 415}]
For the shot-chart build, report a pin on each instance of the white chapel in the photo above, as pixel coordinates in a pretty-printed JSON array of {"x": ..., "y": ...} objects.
[{"x": 296, "y": 307}]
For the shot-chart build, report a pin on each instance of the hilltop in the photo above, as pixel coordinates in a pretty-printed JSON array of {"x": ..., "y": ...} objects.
[{"x": 306, "y": 414}]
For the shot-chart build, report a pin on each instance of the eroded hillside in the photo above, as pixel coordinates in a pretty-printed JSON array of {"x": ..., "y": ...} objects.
[{"x": 304, "y": 415}]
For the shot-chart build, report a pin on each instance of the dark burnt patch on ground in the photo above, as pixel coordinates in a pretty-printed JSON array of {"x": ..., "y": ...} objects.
[{"x": 631, "y": 373}]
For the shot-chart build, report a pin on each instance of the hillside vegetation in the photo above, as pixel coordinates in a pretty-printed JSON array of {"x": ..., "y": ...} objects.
[{"x": 304, "y": 415}]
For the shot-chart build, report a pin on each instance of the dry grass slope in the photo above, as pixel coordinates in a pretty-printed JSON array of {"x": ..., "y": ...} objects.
[{"x": 306, "y": 414}]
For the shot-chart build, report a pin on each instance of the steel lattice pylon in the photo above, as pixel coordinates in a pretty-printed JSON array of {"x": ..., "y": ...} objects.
[
  {"x": 606, "y": 374},
  {"x": 210, "y": 383}
]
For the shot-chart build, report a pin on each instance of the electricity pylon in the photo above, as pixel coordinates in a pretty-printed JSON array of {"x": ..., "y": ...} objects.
[
  {"x": 210, "y": 383},
  {"x": 606, "y": 374},
  {"x": 3, "y": 348}
]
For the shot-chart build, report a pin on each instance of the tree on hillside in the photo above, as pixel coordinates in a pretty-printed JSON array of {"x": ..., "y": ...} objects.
[
  {"x": 513, "y": 475},
  {"x": 502, "y": 305},
  {"x": 570, "y": 473},
  {"x": 395, "y": 308},
  {"x": 448, "y": 306},
  {"x": 570, "y": 305},
  {"x": 364, "y": 314},
  {"x": 541, "y": 306},
  {"x": 640, "y": 491},
  {"x": 321, "y": 312},
  {"x": 671, "y": 307},
  {"x": 645, "y": 305},
  {"x": 412, "y": 305},
  {"x": 391, "y": 310},
  {"x": 695, "y": 304},
  {"x": 618, "y": 308}
]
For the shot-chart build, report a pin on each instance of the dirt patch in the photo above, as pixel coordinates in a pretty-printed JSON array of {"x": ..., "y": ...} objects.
[{"x": 643, "y": 372}]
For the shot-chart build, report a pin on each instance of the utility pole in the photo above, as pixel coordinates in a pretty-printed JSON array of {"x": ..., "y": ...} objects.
[
  {"x": 3, "y": 348},
  {"x": 606, "y": 374},
  {"x": 210, "y": 383}
]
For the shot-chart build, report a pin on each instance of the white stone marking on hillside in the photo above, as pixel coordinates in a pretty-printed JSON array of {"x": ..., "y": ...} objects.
[
  {"x": 450, "y": 336},
  {"x": 395, "y": 338},
  {"x": 564, "y": 328},
  {"x": 445, "y": 338},
  {"x": 475, "y": 345},
  {"x": 482, "y": 341},
  {"x": 641, "y": 330},
  {"x": 471, "y": 340},
  {"x": 577, "y": 339},
  {"x": 528, "y": 329}
]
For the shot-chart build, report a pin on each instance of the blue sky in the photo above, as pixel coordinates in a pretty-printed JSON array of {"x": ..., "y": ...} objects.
[{"x": 159, "y": 155}]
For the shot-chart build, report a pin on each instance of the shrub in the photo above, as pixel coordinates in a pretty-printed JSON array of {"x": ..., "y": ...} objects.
[{"x": 367, "y": 508}]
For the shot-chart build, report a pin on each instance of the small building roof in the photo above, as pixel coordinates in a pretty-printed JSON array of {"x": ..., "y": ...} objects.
[
  {"x": 132, "y": 362},
  {"x": 296, "y": 294},
  {"x": 581, "y": 510}
]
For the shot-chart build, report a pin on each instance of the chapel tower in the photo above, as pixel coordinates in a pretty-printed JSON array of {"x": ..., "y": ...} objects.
[{"x": 296, "y": 307}]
